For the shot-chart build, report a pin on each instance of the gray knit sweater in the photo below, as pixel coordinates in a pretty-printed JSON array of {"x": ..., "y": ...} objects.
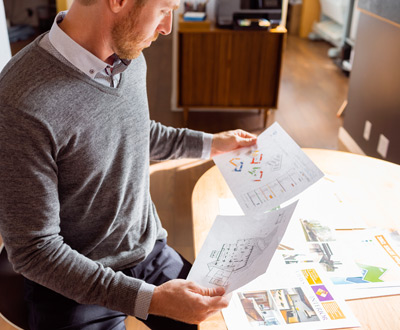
[{"x": 75, "y": 205}]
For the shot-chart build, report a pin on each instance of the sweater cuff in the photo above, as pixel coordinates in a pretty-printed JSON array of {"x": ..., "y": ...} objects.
[
  {"x": 143, "y": 300},
  {"x": 207, "y": 142}
]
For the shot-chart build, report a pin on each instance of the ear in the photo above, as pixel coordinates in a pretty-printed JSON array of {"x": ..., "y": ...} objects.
[{"x": 117, "y": 6}]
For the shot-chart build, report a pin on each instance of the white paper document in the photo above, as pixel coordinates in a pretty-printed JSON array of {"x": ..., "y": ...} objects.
[
  {"x": 268, "y": 174},
  {"x": 239, "y": 248},
  {"x": 296, "y": 298}
]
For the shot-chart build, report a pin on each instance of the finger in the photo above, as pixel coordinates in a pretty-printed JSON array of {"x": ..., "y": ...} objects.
[
  {"x": 245, "y": 134},
  {"x": 211, "y": 292},
  {"x": 247, "y": 142}
]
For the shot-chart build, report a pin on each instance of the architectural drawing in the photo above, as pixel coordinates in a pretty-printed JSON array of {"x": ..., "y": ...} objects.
[
  {"x": 275, "y": 188},
  {"x": 236, "y": 257},
  {"x": 238, "y": 249}
]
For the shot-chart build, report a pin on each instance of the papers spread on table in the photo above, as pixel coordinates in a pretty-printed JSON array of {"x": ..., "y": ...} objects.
[
  {"x": 265, "y": 179},
  {"x": 268, "y": 174},
  {"x": 297, "y": 299},
  {"x": 239, "y": 248},
  {"x": 360, "y": 263}
]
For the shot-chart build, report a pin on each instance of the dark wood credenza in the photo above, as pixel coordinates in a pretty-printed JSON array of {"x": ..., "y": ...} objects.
[{"x": 229, "y": 69}]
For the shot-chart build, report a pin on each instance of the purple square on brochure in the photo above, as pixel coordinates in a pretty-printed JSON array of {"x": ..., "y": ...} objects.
[{"x": 322, "y": 292}]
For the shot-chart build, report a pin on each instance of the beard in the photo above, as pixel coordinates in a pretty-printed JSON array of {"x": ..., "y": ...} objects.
[{"x": 128, "y": 43}]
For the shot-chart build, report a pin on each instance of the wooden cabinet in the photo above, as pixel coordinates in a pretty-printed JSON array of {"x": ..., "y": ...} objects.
[{"x": 225, "y": 69}]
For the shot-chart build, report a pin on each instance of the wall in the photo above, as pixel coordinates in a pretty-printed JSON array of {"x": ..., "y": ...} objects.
[
  {"x": 5, "y": 53},
  {"x": 375, "y": 79},
  {"x": 387, "y": 9}
]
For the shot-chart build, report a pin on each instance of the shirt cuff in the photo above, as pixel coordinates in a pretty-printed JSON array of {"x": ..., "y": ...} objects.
[
  {"x": 207, "y": 141},
  {"x": 143, "y": 300}
]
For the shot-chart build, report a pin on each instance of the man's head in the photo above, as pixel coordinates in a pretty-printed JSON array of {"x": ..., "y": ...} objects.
[
  {"x": 127, "y": 38},
  {"x": 132, "y": 24}
]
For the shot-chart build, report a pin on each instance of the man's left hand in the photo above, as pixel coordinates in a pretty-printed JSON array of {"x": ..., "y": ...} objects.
[{"x": 231, "y": 140}]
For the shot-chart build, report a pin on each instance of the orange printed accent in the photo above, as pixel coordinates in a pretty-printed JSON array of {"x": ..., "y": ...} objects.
[
  {"x": 311, "y": 276},
  {"x": 333, "y": 310},
  {"x": 383, "y": 242},
  {"x": 257, "y": 157}
]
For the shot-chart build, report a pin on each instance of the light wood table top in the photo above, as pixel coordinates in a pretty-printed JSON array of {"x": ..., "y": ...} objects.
[{"x": 370, "y": 185}]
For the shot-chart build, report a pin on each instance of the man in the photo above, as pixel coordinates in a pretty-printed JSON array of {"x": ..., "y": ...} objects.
[{"x": 76, "y": 139}]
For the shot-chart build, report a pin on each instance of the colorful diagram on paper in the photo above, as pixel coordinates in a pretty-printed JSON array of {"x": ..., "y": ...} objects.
[{"x": 256, "y": 167}]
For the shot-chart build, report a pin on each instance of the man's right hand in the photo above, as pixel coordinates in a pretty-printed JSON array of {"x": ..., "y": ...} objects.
[{"x": 186, "y": 301}]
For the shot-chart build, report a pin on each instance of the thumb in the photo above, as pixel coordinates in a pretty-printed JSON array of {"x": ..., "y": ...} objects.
[
  {"x": 247, "y": 142},
  {"x": 211, "y": 292}
]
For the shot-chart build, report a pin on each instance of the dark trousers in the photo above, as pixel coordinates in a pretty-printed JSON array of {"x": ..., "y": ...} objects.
[{"x": 49, "y": 310}]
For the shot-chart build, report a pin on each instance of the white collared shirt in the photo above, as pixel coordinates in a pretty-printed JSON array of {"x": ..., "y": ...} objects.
[{"x": 82, "y": 59}]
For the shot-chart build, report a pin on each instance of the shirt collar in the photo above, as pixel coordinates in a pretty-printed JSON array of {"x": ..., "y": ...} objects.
[{"x": 80, "y": 57}]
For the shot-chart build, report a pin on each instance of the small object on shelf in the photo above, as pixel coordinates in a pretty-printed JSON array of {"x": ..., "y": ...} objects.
[
  {"x": 194, "y": 25},
  {"x": 228, "y": 11},
  {"x": 251, "y": 24},
  {"x": 194, "y": 16}
]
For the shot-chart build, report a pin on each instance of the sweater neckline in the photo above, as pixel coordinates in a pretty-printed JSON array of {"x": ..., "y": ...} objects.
[{"x": 71, "y": 70}]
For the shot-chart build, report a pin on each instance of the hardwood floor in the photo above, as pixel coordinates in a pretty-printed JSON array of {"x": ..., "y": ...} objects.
[{"x": 312, "y": 90}]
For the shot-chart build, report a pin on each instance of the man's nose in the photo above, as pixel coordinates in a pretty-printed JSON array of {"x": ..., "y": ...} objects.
[{"x": 165, "y": 26}]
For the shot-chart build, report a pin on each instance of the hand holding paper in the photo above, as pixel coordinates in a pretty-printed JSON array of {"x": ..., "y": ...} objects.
[
  {"x": 231, "y": 140},
  {"x": 186, "y": 301}
]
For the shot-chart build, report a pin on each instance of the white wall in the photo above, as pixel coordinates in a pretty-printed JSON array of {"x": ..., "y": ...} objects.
[{"x": 5, "y": 53}]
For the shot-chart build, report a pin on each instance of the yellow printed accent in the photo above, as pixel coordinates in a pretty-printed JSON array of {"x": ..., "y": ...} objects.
[
  {"x": 322, "y": 293},
  {"x": 333, "y": 310},
  {"x": 383, "y": 242},
  {"x": 311, "y": 276}
]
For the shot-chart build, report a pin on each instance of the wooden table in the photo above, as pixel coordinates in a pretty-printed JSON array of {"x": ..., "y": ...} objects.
[{"x": 372, "y": 186}]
